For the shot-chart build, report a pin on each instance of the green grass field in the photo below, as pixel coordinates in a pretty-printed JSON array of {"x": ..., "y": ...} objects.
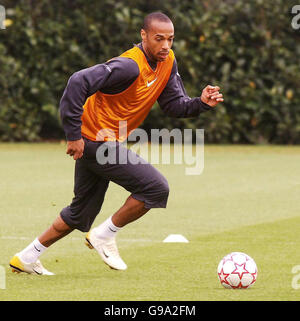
[{"x": 247, "y": 199}]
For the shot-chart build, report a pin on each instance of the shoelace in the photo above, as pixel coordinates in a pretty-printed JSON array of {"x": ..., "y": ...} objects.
[
  {"x": 112, "y": 247},
  {"x": 37, "y": 266}
]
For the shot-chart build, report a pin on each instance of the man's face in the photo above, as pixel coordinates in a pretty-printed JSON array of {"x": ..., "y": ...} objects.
[{"x": 158, "y": 40}]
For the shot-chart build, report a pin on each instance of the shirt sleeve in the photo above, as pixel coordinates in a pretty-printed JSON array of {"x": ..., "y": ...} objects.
[
  {"x": 111, "y": 77},
  {"x": 174, "y": 100}
]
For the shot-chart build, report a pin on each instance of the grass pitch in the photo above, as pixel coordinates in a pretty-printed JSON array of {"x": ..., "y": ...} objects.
[{"x": 246, "y": 199}]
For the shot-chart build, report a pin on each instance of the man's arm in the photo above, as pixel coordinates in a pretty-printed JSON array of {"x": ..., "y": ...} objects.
[
  {"x": 175, "y": 102},
  {"x": 81, "y": 85},
  {"x": 111, "y": 77}
]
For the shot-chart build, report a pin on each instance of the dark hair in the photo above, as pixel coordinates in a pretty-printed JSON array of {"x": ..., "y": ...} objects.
[{"x": 154, "y": 16}]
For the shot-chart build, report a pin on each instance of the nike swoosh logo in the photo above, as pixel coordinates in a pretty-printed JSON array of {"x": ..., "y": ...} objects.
[
  {"x": 112, "y": 230},
  {"x": 37, "y": 248},
  {"x": 37, "y": 272},
  {"x": 107, "y": 256},
  {"x": 151, "y": 82}
]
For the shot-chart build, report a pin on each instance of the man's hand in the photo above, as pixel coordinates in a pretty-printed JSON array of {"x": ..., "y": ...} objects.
[
  {"x": 211, "y": 96},
  {"x": 75, "y": 148}
]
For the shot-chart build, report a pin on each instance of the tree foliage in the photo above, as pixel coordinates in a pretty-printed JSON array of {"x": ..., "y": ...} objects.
[{"x": 248, "y": 48}]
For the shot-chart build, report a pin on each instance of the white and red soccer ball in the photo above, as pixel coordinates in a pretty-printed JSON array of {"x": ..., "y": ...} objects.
[{"x": 237, "y": 271}]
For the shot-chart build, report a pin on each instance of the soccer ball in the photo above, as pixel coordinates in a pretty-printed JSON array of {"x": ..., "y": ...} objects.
[{"x": 237, "y": 271}]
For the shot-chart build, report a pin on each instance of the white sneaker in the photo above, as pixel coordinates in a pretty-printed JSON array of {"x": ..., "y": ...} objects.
[
  {"x": 107, "y": 248},
  {"x": 18, "y": 266}
]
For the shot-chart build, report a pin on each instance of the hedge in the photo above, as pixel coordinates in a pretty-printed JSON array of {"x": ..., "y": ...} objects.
[{"x": 248, "y": 48}]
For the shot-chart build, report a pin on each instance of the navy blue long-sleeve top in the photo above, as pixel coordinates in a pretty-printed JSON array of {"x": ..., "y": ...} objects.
[{"x": 114, "y": 77}]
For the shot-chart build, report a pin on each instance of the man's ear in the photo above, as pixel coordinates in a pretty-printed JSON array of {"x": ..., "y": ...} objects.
[{"x": 143, "y": 34}]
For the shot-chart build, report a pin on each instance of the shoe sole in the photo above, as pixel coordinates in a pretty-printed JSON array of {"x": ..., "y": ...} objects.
[
  {"x": 16, "y": 265},
  {"x": 88, "y": 244},
  {"x": 15, "y": 269}
]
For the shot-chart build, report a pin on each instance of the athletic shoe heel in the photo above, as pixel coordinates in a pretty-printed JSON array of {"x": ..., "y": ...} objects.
[{"x": 88, "y": 244}]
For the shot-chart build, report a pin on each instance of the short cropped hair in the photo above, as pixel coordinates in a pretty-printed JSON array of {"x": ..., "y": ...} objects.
[{"x": 154, "y": 16}]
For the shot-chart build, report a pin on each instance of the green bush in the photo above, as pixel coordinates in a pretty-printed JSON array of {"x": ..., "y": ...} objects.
[{"x": 248, "y": 48}]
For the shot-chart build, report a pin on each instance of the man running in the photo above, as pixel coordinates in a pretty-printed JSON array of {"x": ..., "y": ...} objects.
[{"x": 95, "y": 102}]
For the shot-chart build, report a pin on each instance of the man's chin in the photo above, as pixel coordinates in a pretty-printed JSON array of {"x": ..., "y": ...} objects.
[{"x": 161, "y": 58}]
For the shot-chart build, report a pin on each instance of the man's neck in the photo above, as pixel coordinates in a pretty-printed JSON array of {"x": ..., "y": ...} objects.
[{"x": 151, "y": 62}]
